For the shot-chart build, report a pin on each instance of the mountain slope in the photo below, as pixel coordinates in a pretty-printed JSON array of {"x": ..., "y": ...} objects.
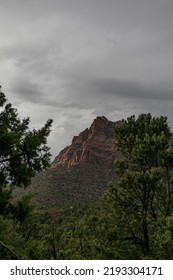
[{"x": 81, "y": 171}]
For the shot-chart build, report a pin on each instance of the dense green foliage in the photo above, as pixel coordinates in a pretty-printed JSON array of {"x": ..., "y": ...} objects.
[
  {"x": 143, "y": 195},
  {"x": 23, "y": 153},
  {"x": 134, "y": 219}
]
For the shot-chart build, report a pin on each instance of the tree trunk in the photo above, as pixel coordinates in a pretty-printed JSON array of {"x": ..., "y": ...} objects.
[{"x": 146, "y": 245}]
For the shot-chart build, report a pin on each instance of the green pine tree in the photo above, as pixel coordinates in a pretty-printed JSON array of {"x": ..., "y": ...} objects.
[
  {"x": 144, "y": 190},
  {"x": 23, "y": 153}
]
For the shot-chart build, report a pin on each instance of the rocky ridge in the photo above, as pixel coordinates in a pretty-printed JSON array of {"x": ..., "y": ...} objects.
[
  {"x": 81, "y": 171},
  {"x": 94, "y": 145}
]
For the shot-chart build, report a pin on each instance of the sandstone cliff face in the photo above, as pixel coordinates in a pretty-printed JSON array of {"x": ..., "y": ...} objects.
[
  {"x": 94, "y": 145},
  {"x": 81, "y": 171}
]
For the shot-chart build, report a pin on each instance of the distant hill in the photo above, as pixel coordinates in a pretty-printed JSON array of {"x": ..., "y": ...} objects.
[{"x": 81, "y": 171}]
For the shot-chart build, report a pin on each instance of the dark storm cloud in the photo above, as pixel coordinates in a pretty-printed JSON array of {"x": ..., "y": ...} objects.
[
  {"x": 74, "y": 59},
  {"x": 27, "y": 91},
  {"x": 132, "y": 90}
]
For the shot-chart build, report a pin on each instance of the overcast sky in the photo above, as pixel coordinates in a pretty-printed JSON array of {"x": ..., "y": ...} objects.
[{"x": 74, "y": 60}]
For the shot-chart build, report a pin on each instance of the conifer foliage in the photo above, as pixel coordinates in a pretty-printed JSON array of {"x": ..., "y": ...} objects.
[
  {"x": 22, "y": 152},
  {"x": 144, "y": 192}
]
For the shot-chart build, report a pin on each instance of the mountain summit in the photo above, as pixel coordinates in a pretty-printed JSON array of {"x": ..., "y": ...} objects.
[
  {"x": 81, "y": 171},
  {"x": 94, "y": 145}
]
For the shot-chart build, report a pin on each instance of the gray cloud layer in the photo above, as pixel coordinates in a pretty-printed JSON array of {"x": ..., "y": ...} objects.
[{"x": 74, "y": 60}]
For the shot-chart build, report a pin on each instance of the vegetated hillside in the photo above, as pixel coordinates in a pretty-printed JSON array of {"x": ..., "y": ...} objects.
[{"x": 81, "y": 171}]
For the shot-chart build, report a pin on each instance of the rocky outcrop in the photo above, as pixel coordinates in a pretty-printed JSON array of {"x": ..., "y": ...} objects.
[
  {"x": 94, "y": 145},
  {"x": 81, "y": 171}
]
